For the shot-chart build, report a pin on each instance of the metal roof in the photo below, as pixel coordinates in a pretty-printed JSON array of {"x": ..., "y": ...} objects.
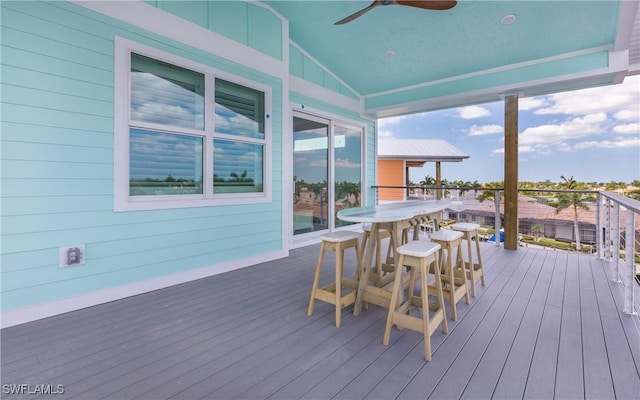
[{"x": 419, "y": 150}]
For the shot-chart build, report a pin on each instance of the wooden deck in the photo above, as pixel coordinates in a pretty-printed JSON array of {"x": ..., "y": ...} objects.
[{"x": 547, "y": 325}]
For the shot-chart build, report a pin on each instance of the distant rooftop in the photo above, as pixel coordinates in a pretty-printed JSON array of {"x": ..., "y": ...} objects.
[{"x": 419, "y": 150}]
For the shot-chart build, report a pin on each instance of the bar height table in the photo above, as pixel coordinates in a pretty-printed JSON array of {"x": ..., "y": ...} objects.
[{"x": 394, "y": 216}]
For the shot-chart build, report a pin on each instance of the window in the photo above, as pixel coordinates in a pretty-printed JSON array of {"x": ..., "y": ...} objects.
[
  {"x": 186, "y": 134},
  {"x": 238, "y": 139}
]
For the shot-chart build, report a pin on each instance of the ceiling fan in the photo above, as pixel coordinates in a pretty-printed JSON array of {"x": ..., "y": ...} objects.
[{"x": 424, "y": 4}]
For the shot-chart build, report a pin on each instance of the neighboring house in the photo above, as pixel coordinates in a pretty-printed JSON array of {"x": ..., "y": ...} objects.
[
  {"x": 555, "y": 225},
  {"x": 151, "y": 143},
  {"x": 396, "y": 156}
]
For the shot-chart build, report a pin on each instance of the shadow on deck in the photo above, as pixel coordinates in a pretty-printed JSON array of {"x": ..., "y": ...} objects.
[{"x": 548, "y": 324}]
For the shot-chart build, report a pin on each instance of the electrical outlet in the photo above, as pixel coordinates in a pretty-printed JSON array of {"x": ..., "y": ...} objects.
[{"x": 71, "y": 256}]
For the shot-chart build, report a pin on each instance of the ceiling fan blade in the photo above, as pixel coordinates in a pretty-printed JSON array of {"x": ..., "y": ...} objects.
[
  {"x": 355, "y": 15},
  {"x": 428, "y": 5}
]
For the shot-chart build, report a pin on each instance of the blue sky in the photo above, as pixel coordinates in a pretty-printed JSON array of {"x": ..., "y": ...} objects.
[{"x": 591, "y": 134}]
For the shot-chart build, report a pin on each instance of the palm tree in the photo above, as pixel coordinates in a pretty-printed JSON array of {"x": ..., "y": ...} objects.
[
  {"x": 575, "y": 200},
  {"x": 428, "y": 181},
  {"x": 537, "y": 230}
]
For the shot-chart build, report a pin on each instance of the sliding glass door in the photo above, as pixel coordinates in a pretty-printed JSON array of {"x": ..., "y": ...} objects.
[
  {"x": 347, "y": 166},
  {"x": 327, "y": 172}
]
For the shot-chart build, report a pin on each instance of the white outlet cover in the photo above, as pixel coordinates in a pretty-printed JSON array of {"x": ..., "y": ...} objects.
[{"x": 62, "y": 256}]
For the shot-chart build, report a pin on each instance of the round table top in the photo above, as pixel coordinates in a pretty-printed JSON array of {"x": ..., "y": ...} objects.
[{"x": 391, "y": 212}]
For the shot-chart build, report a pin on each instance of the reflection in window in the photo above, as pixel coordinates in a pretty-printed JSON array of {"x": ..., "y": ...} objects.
[
  {"x": 165, "y": 94},
  {"x": 168, "y": 140},
  {"x": 237, "y": 167},
  {"x": 164, "y": 163},
  {"x": 348, "y": 169},
  {"x": 239, "y": 110}
]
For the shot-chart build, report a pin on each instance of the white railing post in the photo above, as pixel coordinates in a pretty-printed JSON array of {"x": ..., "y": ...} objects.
[
  {"x": 629, "y": 278},
  {"x": 615, "y": 231},
  {"x": 607, "y": 231},
  {"x": 497, "y": 223},
  {"x": 599, "y": 226}
]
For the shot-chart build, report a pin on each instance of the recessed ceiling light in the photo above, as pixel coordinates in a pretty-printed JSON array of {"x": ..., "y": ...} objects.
[
  {"x": 389, "y": 53},
  {"x": 508, "y": 19}
]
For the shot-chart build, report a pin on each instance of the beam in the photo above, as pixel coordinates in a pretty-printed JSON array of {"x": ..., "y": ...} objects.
[{"x": 511, "y": 172}]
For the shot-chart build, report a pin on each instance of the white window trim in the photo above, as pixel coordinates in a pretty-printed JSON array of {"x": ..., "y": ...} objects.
[{"x": 122, "y": 200}]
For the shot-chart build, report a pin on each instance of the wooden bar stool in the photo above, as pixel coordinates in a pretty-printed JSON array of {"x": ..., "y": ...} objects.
[
  {"x": 338, "y": 242},
  {"x": 453, "y": 271},
  {"x": 382, "y": 268},
  {"x": 418, "y": 256},
  {"x": 474, "y": 270}
]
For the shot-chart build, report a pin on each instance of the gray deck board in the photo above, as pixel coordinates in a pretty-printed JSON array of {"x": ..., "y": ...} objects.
[{"x": 547, "y": 324}]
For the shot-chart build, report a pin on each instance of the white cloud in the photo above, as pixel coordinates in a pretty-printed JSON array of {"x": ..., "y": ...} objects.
[
  {"x": 617, "y": 143},
  {"x": 628, "y": 128},
  {"x": 472, "y": 112},
  {"x": 385, "y": 134},
  {"x": 384, "y": 122},
  {"x": 526, "y": 149},
  {"x": 571, "y": 129},
  {"x": 595, "y": 100},
  {"x": 476, "y": 130},
  {"x": 628, "y": 115},
  {"x": 346, "y": 163},
  {"x": 530, "y": 103}
]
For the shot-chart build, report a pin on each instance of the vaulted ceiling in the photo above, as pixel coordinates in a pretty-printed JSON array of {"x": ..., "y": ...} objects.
[{"x": 404, "y": 59}]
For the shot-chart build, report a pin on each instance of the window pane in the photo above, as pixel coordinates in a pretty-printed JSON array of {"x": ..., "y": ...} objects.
[
  {"x": 237, "y": 167},
  {"x": 164, "y": 163},
  {"x": 239, "y": 110},
  {"x": 165, "y": 94},
  {"x": 347, "y": 144}
]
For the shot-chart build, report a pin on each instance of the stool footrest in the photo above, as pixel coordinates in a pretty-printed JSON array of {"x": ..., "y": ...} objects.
[{"x": 407, "y": 321}]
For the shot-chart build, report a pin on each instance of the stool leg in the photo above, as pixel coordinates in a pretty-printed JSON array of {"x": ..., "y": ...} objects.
[
  {"x": 316, "y": 280},
  {"x": 440, "y": 294},
  {"x": 424, "y": 296},
  {"x": 467, "y": 298},
  {"x": 471, "y": 272},
  {"x": 480, "y": 258},
  {"x": 452, "y": 284},
  {"x": 339, "y": 266},
  {"x": 397, "y": 287}
]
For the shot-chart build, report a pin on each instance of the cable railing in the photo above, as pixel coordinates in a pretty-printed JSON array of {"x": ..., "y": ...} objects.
[
  {"x": 602, "y": 223},
  {"x": 619, "y": 245}
]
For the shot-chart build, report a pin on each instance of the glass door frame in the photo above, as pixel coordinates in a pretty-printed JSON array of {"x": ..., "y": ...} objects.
[{"x": 331, "y": 122}]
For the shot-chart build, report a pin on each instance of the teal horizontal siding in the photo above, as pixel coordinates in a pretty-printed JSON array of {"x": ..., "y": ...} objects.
[
  {"x": 23, "y": 205},
  {"x": 31, "y": 60},
  {"x": 30, "y": 169},
  {"x": 107, "y": 262},
  {"x": 186, "y": 218},
  {"x": 58, "y": 162},
  {"x": 15, "y": 298},
  {"x": 53, "y": 152},
  {"x": 42, "y": 18},
  {"x": 56, "y": 187},
  {"x": 56, "y": 118},
  {"x": 31, "y": 133},
  {"x": 55, "y": 101},
  {"x": 57, "y": 84},
  {"x": 151, "y": 241}
]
